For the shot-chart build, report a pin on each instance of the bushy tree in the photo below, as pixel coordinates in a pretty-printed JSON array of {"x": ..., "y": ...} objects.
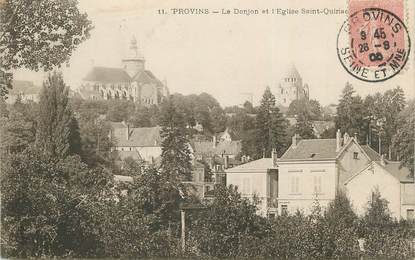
[
  {"x": 384, "y": 236},
  {"x": 341, "y": 229},
  {"x": 224, "y": 229},
  {"x": 58, "y": 130},
  {"x": 19, "y": 127},
  {"x": 51, "y": 208},
  {"x": 39, "y": 34},
  {"x": 350, "y": 116}
]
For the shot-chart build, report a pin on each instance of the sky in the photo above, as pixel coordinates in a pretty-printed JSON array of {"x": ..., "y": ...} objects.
[{"x": 224, "y": 55}]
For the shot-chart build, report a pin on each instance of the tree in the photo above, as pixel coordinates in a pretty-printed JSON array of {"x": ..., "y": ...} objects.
[
  {"x": 19, "y": 127},
  {"x": 39, "y": 34},
  {"x": 404, "y": 140},
  {"x": 175, "y": 165},
  {"x": 384, "y": 236},
  {"x": 350, "y": 116},
  {"x": 271, "y": 127},
  {"x": 341, "y": 228},
  {"x": 51, "y": 208},
  {"x": 221, "y": 230},
  {"x": 310, "y": 108},
  {"x": 382, "y": 121},
  {"x": 304, "y": 126},
  {"x": 120, "y": 110},
  {"x": 58, "y": 130}
]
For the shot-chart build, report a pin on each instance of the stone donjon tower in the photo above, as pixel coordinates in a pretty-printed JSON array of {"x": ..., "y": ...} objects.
[{"x": 291, "y": 88}]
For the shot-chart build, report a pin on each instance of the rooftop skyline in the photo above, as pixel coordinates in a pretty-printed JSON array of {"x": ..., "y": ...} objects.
[{"x": 224, "y": 55}]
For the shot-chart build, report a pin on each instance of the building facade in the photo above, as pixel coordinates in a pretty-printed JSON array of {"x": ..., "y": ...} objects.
[
  {"x": 393, "y": 182},
  {"x": 290, "y": 88},
  {"x": 131, "y": 82},
  {"x": 257, "y": 180}
]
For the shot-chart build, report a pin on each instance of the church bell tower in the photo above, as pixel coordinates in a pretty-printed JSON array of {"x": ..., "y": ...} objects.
[{"x": 134, "y": 62}]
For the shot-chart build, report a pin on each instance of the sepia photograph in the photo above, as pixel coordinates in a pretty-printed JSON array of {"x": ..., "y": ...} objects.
[{"x": 195, "y": 129}]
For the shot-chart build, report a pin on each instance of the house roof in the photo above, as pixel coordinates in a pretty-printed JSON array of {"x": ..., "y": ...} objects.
[
  {"x": 24, "y": 87},
  {"x": 402, "y": 173},
  {"x": 373, "y": 155},
  {"x": 105, "y": 74},
  {"x": 259, "y": 165},
  {"x": 138, "y": 137},
  {"x": 311, "y": 149},
  {"x": 223, "y": 147}
]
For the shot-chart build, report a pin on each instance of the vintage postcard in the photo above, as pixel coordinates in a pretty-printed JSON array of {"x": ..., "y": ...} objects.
[{"x": 207, "y": 129}]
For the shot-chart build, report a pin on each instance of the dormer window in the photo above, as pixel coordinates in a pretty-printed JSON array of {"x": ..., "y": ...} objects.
[{"x": 355, "y": 155}]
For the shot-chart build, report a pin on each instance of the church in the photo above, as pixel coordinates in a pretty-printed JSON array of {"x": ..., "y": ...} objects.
[
  {"x": 291, "y": 88},
  {"x": 131, "y": 82}
]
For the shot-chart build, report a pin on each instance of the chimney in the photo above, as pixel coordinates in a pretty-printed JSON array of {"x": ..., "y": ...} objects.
[
  {"x": 338, "y": 140},
  {"x": 274, "y": 156},
  {"x": 226, "y": 161},
  {"x": 355, "y": 137},
  {"x": 214, "y": 141},
  {"x": 346, "y": 138},
  {"x": 294, "y": 141},
  {"x": 128, "y": 132}
]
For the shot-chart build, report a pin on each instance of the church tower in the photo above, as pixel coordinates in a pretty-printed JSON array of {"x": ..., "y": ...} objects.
[{"x": 134, "y": 61}]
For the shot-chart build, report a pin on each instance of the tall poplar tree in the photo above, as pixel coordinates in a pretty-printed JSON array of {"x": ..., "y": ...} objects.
[
  {"x": 271, "y": 126},
  {"x": 58, "y": 130}
]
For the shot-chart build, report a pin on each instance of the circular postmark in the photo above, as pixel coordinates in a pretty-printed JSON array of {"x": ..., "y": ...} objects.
[{"x": 373, "y": 45}]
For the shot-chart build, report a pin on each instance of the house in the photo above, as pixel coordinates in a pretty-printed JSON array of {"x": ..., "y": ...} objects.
[
  {"x": 316, "y": 169},
  {"x": 257, "y": 180},
  {"x": 131, "y": 82},
  {"x": 26, "y": 90},
  {"x": 142, "y": 143},
  {"x": 394, "y": 183},
  {"x": 219, "y": 155}
]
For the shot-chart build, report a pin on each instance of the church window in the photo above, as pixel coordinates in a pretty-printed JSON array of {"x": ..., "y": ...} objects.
[{"x": 282, "y": 91}]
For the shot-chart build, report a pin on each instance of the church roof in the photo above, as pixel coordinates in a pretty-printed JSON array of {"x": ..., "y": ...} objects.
[
  {"x": 105, "y": 74},
  {"x": 146, "y": 77}
]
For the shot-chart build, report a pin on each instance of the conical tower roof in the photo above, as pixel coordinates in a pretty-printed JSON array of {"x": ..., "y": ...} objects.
[{"x": 292, "y": 72}]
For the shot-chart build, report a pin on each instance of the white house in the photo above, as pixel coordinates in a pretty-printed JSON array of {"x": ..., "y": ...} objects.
[
  {"x": 142, "y": 143},
  {"x": 258, "y": 179},
  {"x": 316, "y": 169},
  {"x": 394, "y": 183}
]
